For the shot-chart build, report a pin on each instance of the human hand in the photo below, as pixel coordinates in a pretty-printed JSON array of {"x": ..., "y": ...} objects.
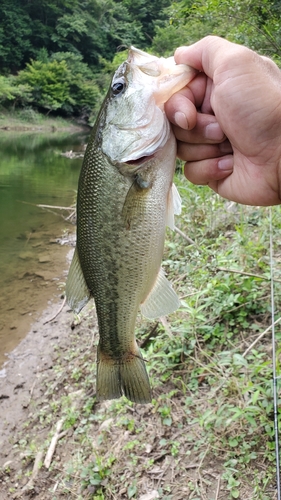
[{"x": 228, "y": 121}]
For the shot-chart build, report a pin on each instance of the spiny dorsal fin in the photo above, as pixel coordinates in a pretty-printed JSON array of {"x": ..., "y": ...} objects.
[
  {"x": 77, "y": 291},
  {"x": 174, "y": 206},
  {"x": 162, "y": 299}
]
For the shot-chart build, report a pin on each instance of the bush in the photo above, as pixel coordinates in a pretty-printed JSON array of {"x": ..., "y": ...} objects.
[{"x": 63, "y": 83}]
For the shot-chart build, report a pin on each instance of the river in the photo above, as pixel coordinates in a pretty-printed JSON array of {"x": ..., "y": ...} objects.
[{"x": 32, "y": 265}]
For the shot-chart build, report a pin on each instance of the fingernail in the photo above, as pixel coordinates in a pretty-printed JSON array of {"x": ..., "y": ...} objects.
[
  {"x": 214, "y": 132},
  {"x": 226, "y": 163},
  {"x": 181, "y": 120}
]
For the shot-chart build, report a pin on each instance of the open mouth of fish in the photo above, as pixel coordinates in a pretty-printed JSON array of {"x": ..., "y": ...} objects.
[{"x": 140, "y": 160}]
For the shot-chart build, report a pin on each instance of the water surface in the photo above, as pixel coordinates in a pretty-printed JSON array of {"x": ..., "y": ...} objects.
[{"x": 32, "y": 171}]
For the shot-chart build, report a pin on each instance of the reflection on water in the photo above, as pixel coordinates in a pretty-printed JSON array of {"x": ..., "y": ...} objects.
[{"x": 32, "y": 171}]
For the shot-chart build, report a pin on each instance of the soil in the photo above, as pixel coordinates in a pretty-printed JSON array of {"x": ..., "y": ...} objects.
[{"x": 33, "y": 355}]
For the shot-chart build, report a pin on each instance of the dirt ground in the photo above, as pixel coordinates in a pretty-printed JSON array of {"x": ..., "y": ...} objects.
[
  {"x": 18, "y": 383},
  {"x": 34, "y": 355}
]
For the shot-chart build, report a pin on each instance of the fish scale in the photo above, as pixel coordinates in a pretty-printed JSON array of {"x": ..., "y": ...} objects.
[{"x": 122, "y": 211}]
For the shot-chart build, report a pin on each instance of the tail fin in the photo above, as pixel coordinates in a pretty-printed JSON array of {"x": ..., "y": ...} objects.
[{"x": 127, "y": 376}]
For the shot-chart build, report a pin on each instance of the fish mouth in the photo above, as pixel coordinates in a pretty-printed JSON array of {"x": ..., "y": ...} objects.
[{"x": 139, "y": 161}]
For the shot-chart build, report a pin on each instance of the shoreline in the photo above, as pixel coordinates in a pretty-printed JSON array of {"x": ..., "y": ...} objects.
[
  {"x": 40, "y": 123},
  {"x": 20, "y": 374}
]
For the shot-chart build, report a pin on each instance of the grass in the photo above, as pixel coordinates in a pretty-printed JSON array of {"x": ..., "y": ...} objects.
[
  {"x": 209, "y": 432},
  {"x": 30, "y": 119}
]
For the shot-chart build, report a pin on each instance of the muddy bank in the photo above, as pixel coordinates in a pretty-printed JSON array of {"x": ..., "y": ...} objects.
[
  {"x": 41, "y": 124},
  {"x": 19, "y": 375},
  {"x": 37, "y": 279}
]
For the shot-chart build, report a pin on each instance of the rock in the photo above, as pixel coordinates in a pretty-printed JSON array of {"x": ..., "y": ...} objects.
[
  {"x": 26, "y": 255},
  {"x": 44, "y": 258}
]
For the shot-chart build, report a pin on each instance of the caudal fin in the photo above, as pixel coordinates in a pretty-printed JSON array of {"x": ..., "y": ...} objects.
[{"x": 126, "y": 377}]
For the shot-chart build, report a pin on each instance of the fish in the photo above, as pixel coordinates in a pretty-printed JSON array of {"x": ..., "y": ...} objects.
[{"x": 125, "y": 200}]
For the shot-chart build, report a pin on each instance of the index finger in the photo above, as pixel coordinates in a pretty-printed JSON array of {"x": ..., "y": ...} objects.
[{"x": 208, "y": 54}]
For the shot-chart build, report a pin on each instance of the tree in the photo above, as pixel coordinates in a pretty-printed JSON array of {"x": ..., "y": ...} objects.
[
  {"x": 62, "y": 83},
  {"x": 255, "y": 24},
  {"x": 49, "y": 83},
  {"x": 15, "y": 32}
]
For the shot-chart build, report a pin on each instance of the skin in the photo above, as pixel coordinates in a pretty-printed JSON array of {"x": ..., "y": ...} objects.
[{"x": 228, "y": 121}]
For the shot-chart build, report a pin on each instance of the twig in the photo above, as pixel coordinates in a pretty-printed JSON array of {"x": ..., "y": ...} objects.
[
  {"x": 151, "y": 334},
  {"x": 218, "y": 488},
  {"x": 58, "y": 435},
  {"x": 31, "y": 390},
  {"x": 71, "y": 215},
  {"x": 190, "y": 295},
  {"x": 185, "y": 236},
  {"x": 259, "y": 337},
  {"x": 237, "y": 271},
  {"x": 258, "y": 276},
  {"x": 35, "y": 470},
  {"x": 233, "y": 309},
  {"x": 45, "y": 206},
  {"x": 57, "y": 313},
  {"x": 54, "y": 206}
]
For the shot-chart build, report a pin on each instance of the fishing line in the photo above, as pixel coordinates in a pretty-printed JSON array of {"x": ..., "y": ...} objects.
[{"x": 275, "y": 378}]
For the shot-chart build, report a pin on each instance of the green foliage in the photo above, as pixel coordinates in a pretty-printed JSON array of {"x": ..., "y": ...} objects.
[
  {"x": 255, "y": 24},
  {"x": 49, "y": 83},
  {"x": 60, "y": 48},
  {"x": 7, "y": 90},
  {"x": 66, "y": 49},
  {"x": 60, "y": 83},
  {"x": 91, "y": 28},
  {"x": 15, "y": 33}
]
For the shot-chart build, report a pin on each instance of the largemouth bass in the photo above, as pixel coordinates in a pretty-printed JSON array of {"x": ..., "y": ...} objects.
[{"x": 125, "y": 199}]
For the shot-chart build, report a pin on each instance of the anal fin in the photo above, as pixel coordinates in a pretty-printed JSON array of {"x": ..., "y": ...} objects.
[
  {"x": 77, "y": 291},
  {"x": 162, "y": 299}
]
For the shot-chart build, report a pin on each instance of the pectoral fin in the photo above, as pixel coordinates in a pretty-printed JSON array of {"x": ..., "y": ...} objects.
[
  {"x": 174, "y": 206},
  {"x": 77, "y": 291},
  {"x": 135, "y": 205},
  {"x": 162, "y": 299}
]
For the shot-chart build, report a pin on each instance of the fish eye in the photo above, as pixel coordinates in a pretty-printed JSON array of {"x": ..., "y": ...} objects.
[{"x": 118, "y": 87}]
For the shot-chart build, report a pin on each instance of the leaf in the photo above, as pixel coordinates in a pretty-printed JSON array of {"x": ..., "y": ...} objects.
[
  {"x": 239, "y": 360},
  {"x": 132, "y": 490}
]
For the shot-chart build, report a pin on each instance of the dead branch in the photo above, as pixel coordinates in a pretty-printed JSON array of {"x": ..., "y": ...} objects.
[
  {"x": 218, "y": 488},
  {"x": 57, "y": 313},
  {"x": 58, "y": 435},
  {"x": 35, "y": 470},
  {"x": 54, "y": 207},
  {"x": 152, "y": 333},
  {"x": 185, "y": 236},
  {"x": 258, "y": 276},
  {"x": 262, "y": 334}
]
